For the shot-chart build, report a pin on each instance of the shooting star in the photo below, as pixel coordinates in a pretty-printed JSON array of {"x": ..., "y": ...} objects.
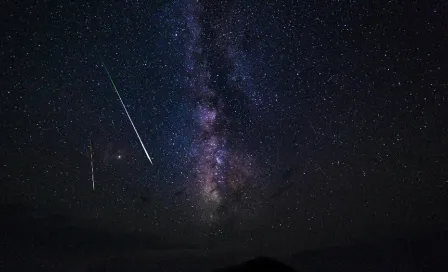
[
  {"x": 122, "y": 103},
  {"x": 91, "y": 164}
]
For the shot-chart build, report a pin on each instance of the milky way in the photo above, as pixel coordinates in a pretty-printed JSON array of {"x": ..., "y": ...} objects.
[{"x": 221, "y": 171}]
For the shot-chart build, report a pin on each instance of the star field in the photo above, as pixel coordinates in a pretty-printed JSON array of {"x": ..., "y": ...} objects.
[{"x": 267, "y": 123}]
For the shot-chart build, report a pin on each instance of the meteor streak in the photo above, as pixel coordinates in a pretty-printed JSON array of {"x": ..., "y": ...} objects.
[
  {"x": 122, "y": 103},
  {"x": 91, "y": 164}
]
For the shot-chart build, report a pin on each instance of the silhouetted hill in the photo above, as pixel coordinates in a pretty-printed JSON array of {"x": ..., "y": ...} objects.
[
  {"x": 34, "y": 239},
  {"x": 260, "y": 264}
]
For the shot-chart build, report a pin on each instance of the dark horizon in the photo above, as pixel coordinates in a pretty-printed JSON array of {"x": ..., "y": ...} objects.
[{"x": 52, "y": 241}]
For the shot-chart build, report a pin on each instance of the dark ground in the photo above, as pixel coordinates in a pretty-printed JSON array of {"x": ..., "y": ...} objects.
[{"x": 32, "y": 240}]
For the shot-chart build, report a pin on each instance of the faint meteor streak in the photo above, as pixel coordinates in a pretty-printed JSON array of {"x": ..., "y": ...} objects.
[
  {"x": 122, "y": 103},
  {"x": 91, "y": 164}
]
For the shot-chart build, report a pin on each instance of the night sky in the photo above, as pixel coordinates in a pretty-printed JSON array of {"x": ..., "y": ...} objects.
[{"x": 294, "y": 123}]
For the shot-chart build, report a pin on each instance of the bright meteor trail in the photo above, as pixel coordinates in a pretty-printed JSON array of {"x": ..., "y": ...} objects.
[{"x": 122, "y": 103}]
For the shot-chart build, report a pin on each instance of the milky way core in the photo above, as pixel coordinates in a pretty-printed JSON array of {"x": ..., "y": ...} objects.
[{"x": 221, "y": 169}]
